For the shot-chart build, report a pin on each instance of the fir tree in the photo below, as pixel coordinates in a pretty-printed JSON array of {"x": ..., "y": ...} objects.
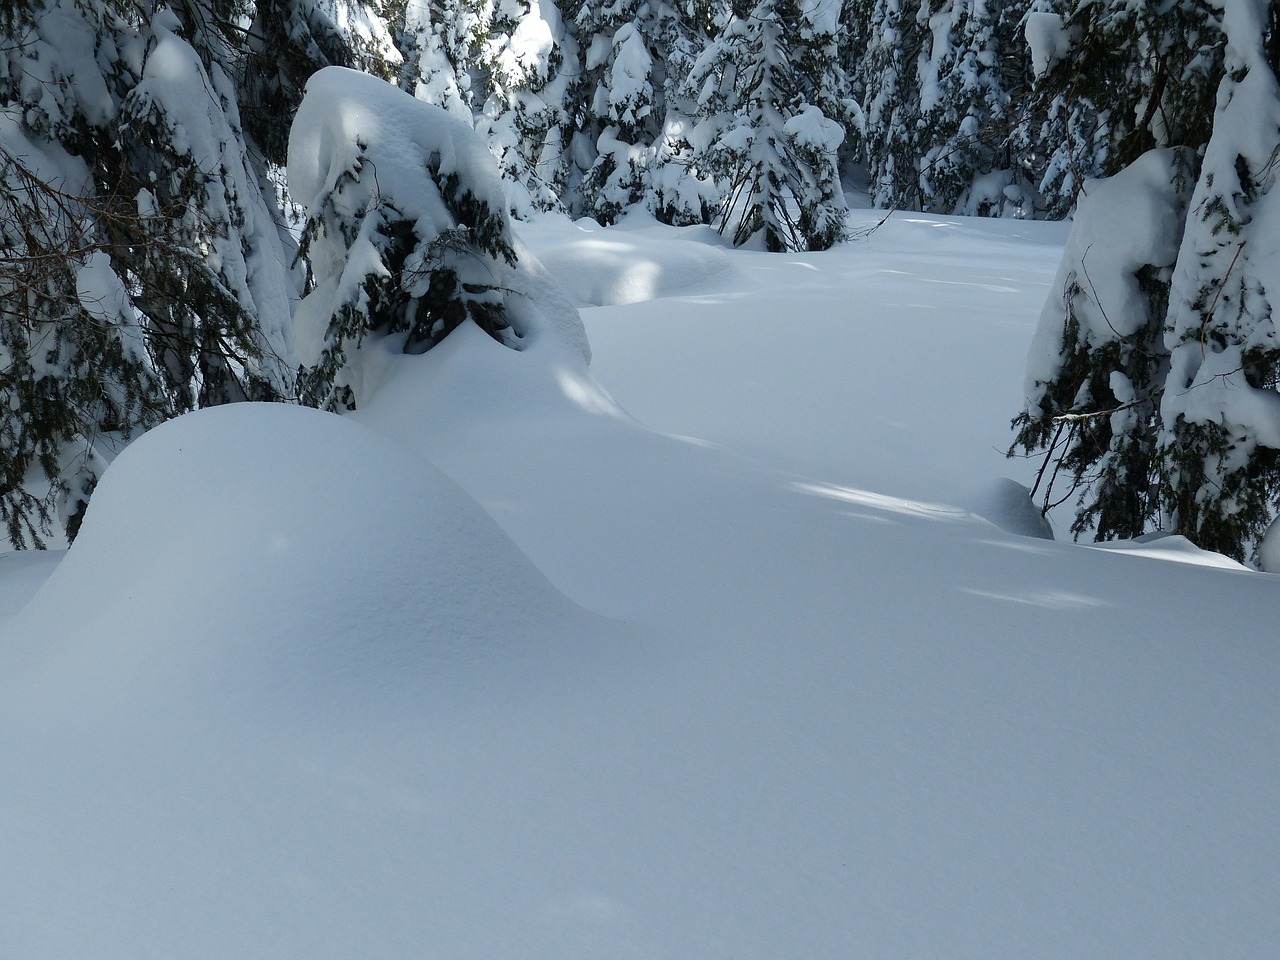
[
  {"x": 287, "y": 41},
  {"x": 406, "y": 231},
  {"x": 162, "y": 282},
  {"x": 1220, "y": 437},
  {"x": 773, "y": 147}
]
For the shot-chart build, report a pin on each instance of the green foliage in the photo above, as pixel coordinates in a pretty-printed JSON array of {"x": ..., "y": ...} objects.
[
  {"x": 69, "y": 378},
  {"x": 426, "y": 283},
  {"x": 1105, "y": 444},
  {"x": 1138, "y": 76}
]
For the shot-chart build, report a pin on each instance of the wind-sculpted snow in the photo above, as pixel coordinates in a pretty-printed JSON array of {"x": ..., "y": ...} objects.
[
  {"x": 618, "y": 266},
  {"x": 292, "y": 695},
  {"x": 289, "y": 544}
]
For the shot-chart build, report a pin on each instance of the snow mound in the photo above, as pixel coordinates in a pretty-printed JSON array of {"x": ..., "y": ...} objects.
[
  {"x": 354, "y": 559},
  {"x": 22, "y": 572},
  {"x": 1170, "y": 547},
  {"x": 248, "y": 698},
  {"x": 1008, "y": 504},
  {"x": 608, "y": 267}
]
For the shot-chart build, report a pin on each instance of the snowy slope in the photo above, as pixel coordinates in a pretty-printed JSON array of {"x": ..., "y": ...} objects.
[{"x": 698, "y": 654}]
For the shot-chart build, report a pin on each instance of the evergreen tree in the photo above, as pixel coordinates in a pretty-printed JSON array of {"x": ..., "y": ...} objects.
[
  {"x": 1098, "y": 363},
  {"x": 406, "y": 231},
  {"x": 1220, "y": 437},
  {"x": 1174, "y": 421},
  {"x": 286, "y": 42},
  {"x": 162, "y": 282},
  {"x": 885, "y": 83},
  {"x": 74, "y": 370},
  {"x": 1137, "y": 76},
  {"x": 218, "y": 313},
  {"x": 619, "y": 106},
  {"x": 632, "y": 116},
  {"x": 431, "y": 54},
  {"x": 774, "y": 148},
  {"x": 966, "y": 117},
  {"x": 523, "y": 68}
]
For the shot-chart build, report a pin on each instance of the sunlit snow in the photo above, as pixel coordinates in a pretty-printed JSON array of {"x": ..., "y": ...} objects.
[{"x": 720, "y": 648}]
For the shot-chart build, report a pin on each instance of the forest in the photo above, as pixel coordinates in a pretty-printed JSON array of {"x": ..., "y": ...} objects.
[{"x": 156, "y": 252}]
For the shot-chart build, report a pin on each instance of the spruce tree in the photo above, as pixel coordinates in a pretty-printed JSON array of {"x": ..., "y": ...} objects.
[
  {"x": 775, "y": 150},
  {"x": 406, "y": 232},
  {"x": 620, "y": 105},
  {"x": 1173, "y": 422},
  {"x": 1220, "y": 435}
]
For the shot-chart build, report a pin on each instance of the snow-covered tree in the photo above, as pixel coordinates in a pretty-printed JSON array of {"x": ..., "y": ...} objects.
[
  {"x": 620, "y": 107},
  {"x": 526, "y": 63},
  {"x": 218, "y": 310},
  {"x": 74, "y": 370},
  {"x": 1156, "y": 382},
  {"x": 1220, "y": 438},
  {"x": 432, "y": 70},
  {"x": 162, "y": 281},
  {"x": 623, "y": 99},
  {"x": 407, "y": 230},
  {"x": 965, "y": 109},
  {"x": 1098, "y": 363},
  {"x": 886, "y": 85},
  {"x": 1115, "y": 79},
  {"x": 774, "y": 148}
]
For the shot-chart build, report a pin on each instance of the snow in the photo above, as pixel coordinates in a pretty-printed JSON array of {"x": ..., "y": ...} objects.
[
  {"x": 710, "y": 650},
  {"x": 604, "y": 267},
  {"x": 1049, "y": 39},
  {"x": 1209, "y": 379},
  {"x": 347, "y": 115},
  {"x": 1122, "y": 224},
  {"x": 812, "y": 129}
]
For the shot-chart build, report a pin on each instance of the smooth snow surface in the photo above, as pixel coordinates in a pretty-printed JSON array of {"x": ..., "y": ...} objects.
[{"x": 698, "y": 654}]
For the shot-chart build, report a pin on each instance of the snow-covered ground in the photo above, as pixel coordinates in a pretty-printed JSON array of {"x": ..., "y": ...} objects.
[{"x": 706, "y": 652}]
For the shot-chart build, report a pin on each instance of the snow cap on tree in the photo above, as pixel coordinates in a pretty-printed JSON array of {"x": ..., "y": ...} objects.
[{"x": 407, "y": 232}]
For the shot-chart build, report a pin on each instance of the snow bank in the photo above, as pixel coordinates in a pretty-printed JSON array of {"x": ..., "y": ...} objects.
[
  {"x": 348, "y": 555},
  {"x": 292, "y": 695},
  {"x": 620, "y": 265}
]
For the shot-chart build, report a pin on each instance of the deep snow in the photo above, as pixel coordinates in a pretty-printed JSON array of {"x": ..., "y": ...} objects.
[{"x": 698, "y": 654}]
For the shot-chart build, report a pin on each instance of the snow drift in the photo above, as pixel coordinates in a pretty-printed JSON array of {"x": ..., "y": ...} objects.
[{"x": 294, "y": 695}]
